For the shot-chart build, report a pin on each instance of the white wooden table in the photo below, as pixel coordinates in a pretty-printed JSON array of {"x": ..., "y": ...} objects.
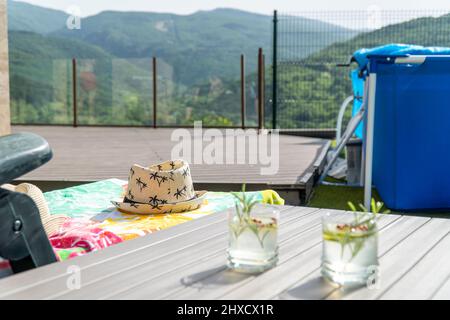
[{"x": 188, "y": 262}]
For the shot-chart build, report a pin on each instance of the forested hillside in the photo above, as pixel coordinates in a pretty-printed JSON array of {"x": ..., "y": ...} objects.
[{"x": 27, "y": 17}]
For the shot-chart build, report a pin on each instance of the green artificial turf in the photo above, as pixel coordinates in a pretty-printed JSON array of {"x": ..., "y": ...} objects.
[{"x": 337, "y": 197}]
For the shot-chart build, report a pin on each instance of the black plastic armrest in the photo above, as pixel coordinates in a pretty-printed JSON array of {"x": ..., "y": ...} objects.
[{"x": 21, "y": 153}]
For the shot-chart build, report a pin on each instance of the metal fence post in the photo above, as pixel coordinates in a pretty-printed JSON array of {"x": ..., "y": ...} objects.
[
  {"x": 155, "y": 92},
  {"x": 74, "y": 92},
  {"x": 263, "y": 110},
  {"x": 243, "y": 102},
  {"x": 260, "y": 89},
  {"x": 274, "y": 70}
]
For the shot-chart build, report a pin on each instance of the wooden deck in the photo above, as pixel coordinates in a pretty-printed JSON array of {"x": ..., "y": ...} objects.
[
  {"x": 88, "y": 154},
  {"x": 188, "y": 262}
]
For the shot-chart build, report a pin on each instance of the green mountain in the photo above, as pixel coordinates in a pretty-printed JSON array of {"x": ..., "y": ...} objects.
[
  {"x": 26, "y": 46},
  {"x": 198, "y": 64},
  {"x": 27, "y": 17},
  {"x": 197, "y": 47}
]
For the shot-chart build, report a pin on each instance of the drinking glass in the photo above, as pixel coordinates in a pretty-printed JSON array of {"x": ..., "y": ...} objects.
[
  {"x": 253, "y": 238},
  {"x": 350, "y": 248}
]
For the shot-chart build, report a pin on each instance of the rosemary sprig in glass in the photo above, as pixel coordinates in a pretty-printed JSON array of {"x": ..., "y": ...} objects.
[
  {"x": 243, "y": 208},
  {"x": 352, "y": 235}
]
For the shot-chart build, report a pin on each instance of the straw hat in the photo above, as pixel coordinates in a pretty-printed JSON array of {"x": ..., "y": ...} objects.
[
  {"x": 161, "y": 188},
  {"x": 51, "y": 223}
]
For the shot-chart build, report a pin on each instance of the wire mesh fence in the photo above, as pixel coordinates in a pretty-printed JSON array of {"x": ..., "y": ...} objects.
[{"x": 310, "y": 45}]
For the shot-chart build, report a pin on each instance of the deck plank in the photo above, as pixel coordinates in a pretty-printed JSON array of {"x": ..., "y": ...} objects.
[{"x": 96, "y": 153}]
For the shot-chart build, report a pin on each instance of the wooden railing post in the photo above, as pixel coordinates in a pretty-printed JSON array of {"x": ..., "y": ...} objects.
[
  {"x": 74, "y": 92},
  {"x": 243, "y": 102},
  {"x": 155, "y": 92}
]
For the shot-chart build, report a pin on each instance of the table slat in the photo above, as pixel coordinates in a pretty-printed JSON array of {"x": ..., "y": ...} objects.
[
  {"x": 170, "y": 281},
  {"x": 398, "y": 261},
  {"x": 152, "y": 266},
  {"x": 297, "y": 266},
  {"x": 443, "y": 293},
  {"x": 314, "y": 287},
  {"x": 300, "y": 246},
  {"x": 131, "y": 255},
  {"x": 187, "y": 261},
  {"x": 26, "y": 280},
  {"x": 426, "y": 277}
]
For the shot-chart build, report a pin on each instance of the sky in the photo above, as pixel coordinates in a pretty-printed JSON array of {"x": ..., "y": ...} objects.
[{"x": 91, "y": 7}]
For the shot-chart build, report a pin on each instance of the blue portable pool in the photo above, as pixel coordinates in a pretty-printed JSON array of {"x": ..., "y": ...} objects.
[
  {"x": 358, "y": 93},
  {"x": 411, "y": 140}
]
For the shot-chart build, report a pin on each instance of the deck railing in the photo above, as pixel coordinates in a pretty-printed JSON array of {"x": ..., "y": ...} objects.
[
  {"x": 300, "y": 87},
  {"x": 136, "y": 92}
]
